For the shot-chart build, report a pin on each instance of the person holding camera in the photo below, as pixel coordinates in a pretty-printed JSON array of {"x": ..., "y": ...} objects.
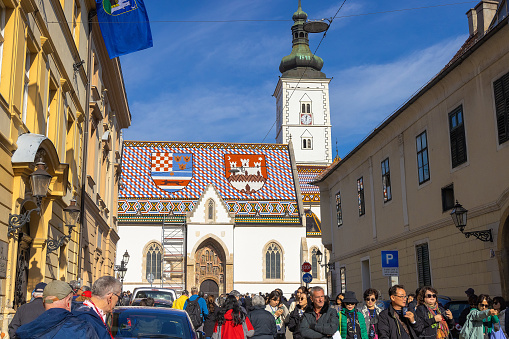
[
  {"x": 279, "y": 311},
  {"x": 396, "y": 322},
  {"x": 436, "y": 320}
]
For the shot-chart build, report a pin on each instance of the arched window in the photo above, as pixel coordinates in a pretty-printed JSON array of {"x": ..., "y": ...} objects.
[
  {"x": 154, "y": 255},
  {"x": 303, "y": 108},
  {"x": 273, "y": 258},
  {"x": 308, "y": 106},
  {"x": 301, "y": 34},
  {"x": 314, "y": 264},
  {"x": 210, "y": 214}
]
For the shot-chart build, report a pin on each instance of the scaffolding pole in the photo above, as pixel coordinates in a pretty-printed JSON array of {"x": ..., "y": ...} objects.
[{"x": 174, "y": 255}]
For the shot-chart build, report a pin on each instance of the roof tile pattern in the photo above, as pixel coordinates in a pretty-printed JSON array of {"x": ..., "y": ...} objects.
[{"x": 306, "y": 174}]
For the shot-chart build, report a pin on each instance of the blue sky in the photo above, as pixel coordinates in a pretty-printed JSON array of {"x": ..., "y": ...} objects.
[{"x": 206, "y": 81}]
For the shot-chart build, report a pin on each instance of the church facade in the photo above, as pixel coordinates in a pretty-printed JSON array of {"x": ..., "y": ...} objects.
[{"x": 224, "y": 216}]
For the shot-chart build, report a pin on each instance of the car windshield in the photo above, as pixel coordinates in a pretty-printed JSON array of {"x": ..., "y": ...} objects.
[
  {"x": 155, "y": 294},
  {"x": 137, "y": 324},
  {"x": 156, "y": 304}
]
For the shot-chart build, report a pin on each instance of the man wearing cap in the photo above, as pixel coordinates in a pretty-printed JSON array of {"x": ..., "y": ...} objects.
[
  {"x": 180, "y": 302},
  {"x": 319, "y": 320},
  {"x": 106, "y": 293},
  {"x": 56, "y": 321},
  {"x": 28, "y": 312}
]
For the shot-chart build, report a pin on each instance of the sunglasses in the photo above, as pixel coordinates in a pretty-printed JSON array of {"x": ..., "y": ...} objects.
[
  {"x": 431, "y": 295},
  {"x": 370, "y": 299},
  {"x": 349, "y": 303},
  {"x": 484, "y": 305}
]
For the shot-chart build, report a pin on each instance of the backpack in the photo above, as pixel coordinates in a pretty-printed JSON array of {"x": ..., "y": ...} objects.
[{"x": 194, "y": 311}]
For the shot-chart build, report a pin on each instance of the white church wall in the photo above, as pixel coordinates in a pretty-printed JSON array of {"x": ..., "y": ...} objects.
[
  {"x": 250, "y": 243},
  {"x": 134, "y": 239}
]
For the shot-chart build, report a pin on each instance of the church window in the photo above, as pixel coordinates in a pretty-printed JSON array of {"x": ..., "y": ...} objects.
[
  {"x": 306, "y": 143},
  {"x": 303, "y": 108},
  {"x": 308, "y": 107},
  {"x": 301, "y": 34},
  {"x": 314, "y": 264},
  {"x": 210, "y": 210},
  {"x": 273, "y": 257},
  {"x": 154, "y": 255},
  {"x": 296, "y": 35}
]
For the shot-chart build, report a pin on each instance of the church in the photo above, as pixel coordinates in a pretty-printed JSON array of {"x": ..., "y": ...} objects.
[{"x": 224, "y": 216}]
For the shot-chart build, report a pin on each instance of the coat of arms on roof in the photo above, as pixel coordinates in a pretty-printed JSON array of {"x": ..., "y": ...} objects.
[
  {"x": 246, "y": 172},
  {"x": 171, "y": 172}
]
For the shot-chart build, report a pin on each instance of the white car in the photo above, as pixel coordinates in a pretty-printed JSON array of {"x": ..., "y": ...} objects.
[{"x": 155, "y": 293}]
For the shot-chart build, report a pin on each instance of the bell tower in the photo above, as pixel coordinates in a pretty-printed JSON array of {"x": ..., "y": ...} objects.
[{"x": 302, "y": 100}]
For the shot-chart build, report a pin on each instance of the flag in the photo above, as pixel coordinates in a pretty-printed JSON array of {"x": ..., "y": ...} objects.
[{"x": 124, "y": 26}]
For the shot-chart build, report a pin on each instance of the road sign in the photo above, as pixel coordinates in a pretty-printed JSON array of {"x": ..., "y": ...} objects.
[
  {"x": 306, "y": 267},
  {"x": 150, "y": 278},
  {"x": 307, "y": 278},
  {"x": 390, "y": 263}
]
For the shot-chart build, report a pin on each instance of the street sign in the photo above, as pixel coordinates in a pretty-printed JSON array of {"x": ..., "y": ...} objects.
[
  {"x": 307, "y": 278},
  {"x": 306, "y": 267},
  {"x": 150, "y": 278},
  {"x": 390, "y": 263}
]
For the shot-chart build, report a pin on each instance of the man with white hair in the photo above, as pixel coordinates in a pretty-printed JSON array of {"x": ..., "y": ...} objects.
[
  {"x": 57, "y": 321},
  {"x": 106, "y": 293},
  {"x": 263, "y": 321},
  {"x": 28, "y": 312}
]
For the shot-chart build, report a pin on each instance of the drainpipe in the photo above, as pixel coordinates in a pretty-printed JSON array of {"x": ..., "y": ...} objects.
[{"x": 91, "y": 15}]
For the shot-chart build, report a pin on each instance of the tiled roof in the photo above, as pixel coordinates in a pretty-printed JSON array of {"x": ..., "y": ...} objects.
[
  {"x": 306, "y": 174},
  {"x": 254, "y": 180},
  {"x": 313, "y": 225}
]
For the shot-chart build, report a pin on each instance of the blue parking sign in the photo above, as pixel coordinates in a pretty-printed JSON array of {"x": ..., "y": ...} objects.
[{"x": 390, "y": 259}]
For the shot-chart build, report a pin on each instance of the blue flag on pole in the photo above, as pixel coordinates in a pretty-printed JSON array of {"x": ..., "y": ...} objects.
[{"x": 124, "y": 26}]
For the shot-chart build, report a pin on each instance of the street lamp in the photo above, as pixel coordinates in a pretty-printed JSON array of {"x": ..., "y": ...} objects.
[
  {"x": 71, "y": 216},
  {"x": 319, "y": 257},
  {"x": 122, "y": 268},
  {"x": 459, "y": 217},
  {"x": 39, "y": 183}
]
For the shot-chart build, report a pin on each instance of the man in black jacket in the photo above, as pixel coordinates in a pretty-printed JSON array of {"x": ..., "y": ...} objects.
[
  {"x": 263, "y": 321},
  {"x": 28, "y": 312},
  {"x": 393, "y": 323},
  {"x": 319, "y": 320}
]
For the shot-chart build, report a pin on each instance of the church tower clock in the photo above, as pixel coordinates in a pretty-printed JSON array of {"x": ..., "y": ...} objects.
[{"x": 302, "y": 100}]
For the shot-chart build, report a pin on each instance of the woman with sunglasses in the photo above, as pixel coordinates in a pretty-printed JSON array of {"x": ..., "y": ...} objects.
[
  {"x": 370, "y": 311},
  {"x": 351, "y": 321},
  {"x": 474, "y": 327},
  {"x": 295, "y": 316},
  {"x": 436, "y": 321}
]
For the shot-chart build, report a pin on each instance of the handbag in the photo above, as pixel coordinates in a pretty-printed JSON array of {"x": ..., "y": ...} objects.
[{"x": 499, "y": 334}]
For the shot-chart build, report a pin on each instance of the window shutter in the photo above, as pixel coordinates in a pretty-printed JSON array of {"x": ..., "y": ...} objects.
[
  {"x": 501, "y": 89},
  {"x": 423, "y": 265}
]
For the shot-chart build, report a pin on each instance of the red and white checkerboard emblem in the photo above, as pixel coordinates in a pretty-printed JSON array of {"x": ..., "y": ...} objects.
[{"x": 171, "y": 171}]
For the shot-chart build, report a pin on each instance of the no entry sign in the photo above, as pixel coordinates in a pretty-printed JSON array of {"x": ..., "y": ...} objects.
[{"x": 306, "y": 267}]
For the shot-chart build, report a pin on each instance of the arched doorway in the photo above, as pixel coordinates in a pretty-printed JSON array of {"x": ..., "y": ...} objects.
[
  {"x": 210, "y": 266},
  {"x": 209, "y": 287}
]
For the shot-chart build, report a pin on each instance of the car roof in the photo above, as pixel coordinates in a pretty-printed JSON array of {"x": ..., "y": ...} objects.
[{"x": 147, "y": 309}]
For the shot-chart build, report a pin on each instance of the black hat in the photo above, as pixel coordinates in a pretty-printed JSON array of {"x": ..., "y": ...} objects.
[
  {"x": 350, "y": 298},
  {"x": 469, "y": 292},
  {"x": 39, "y": 288}
]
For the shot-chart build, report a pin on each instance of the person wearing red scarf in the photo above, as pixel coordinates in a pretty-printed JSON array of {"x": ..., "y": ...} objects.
[{"x": 435, "y": 319}]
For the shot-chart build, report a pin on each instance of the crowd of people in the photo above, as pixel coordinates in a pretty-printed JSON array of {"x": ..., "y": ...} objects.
[{"x": 60, "y": 309}]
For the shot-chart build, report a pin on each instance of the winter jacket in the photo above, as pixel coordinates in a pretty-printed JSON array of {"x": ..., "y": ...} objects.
[
  {"x": 180, "y": 302},
  {"x": 473, "y": 327},
  {"x": 56, "y": 323},
  {"x": 429, "y": 325},
  {"x": 294, "y": 320},
  {"x": 210, "y": 322},
  {"x": 229, "y": 331},
  {"x": 201, "y": 302},
  {"x": 263, "y": 323},
  {"x": 87, "y": 314},
  {"x": 26, "y": 313},
  {"x": 389, "y": 327},
  {"x": 324, "y": 327},
  {"x": 359, "y": 323},
  {"x": 371, "y": 321}
]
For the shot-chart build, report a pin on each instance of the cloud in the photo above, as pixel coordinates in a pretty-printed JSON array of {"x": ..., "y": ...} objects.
[{"x": 361, "y": 97}]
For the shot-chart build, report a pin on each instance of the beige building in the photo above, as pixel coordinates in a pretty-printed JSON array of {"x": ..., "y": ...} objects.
[
  {"x": 45, "y": 116},
  {"x": 396, "y": 190}
]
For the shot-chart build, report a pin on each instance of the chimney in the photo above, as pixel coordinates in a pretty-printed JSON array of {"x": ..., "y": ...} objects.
[
  {"x": 472, "y": 21},
  {"x": 486, "y": 10}
]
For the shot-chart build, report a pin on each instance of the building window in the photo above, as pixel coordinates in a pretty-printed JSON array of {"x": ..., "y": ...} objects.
[
  {"x": 305, "y": 107},
  {"x": 360, "y": 196},
  {"x": 99, "y": 238},
  {"x": 307, "y": 143},
  {"x": 386, "y": 180},
  {"x": 457, "y": 137},
  {"x": 273, "y": 257},
  {"x": 76, "y": 20},
  {"x": 339, "y": 212},
  {"x": 501, "y": 89},
  {"x": 422, "y": 157},
  {"x": 314, "y": 264},
  {"x": 2, "y": 33},
  {"x": 423, "y": 267},
  {"x": 447, "y": 198},
  {"x": 210, "y": 210},
  {"x": 154, "y": 255},
  {"x": 26, "y": 82},
  {"x": 342, "y": 277}
]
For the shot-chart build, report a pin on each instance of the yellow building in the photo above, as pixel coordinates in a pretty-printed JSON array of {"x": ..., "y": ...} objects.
[
  {"x": 48, "y": 110},
  {"x": 396, "y": 190}
]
